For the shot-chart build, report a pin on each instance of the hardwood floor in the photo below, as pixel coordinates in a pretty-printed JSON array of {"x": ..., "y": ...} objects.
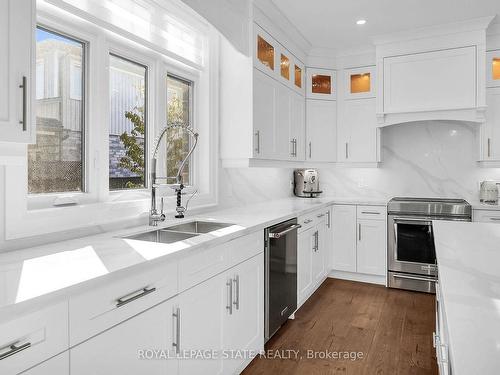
[{"x": 393, "y": 329}]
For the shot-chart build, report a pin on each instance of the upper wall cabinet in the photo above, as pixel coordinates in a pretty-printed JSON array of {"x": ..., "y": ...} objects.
[
  {"x": 359, "y": 83},
  {"x": 433, "y": 73},
  {"x": 17, "y": 25},
  {"x": 493, "y": 68},
  {"x": 430, "y": 81},
  {"x": 321, "y": 84}
]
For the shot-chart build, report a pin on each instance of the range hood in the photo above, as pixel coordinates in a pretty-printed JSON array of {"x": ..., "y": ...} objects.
[{"x": 436, "y": 73}]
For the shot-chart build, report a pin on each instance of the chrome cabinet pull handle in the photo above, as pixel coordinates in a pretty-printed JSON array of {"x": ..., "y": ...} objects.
[
  {"x": 295, "y": 147},
  {"x": 23, "y": 86},
  {"x": 133, "y": 296},
  {"x": 328, "y": 218},
  {"x": 347, "y": 150},
  {"x": 14, "y": 349},
  {"x": 307, "y": 221},
  {"x": 292, "y": 152},
  {"x": 489, "y": 147},
  {"x": 310, "y": 150},
  {"x": 320, "y": 215},
  {"x": 236, "y": 302},
  {"x": 257, "y": 148},
  {"x": 177, "y": 341},
  {"x": 370, "y": 213},
  {"x": 359, "y": 231},
  {"x": 495, "y": 218},
  {"x": 229, "y": 306}
]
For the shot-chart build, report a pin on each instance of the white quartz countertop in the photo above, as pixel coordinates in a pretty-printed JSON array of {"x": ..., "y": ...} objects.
[
  {"x": 44, "y": 273},
  {"x": 468, "y": 256}
]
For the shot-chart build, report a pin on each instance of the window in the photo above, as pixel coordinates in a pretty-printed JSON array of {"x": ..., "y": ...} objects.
[
  {"x": 179, "y": 111},
  {"x": 127, "y": 128},
  {"x": 55, "y": 162}
]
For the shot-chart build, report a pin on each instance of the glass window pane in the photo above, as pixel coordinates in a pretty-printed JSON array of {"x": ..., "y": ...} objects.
[
  {"x": 298, "y": 76},
  {"x": 360, "y": 83},
  {"x": 321, "y": 84},
  {"x": 127, "y": 126},
  {"x": 179, "y": 109},
  {"x": 285, "y": 67},
  {"x": 265, "y": 52},
  {"x": 55, "y": 161},
  {"x": 496, "y": 67}
]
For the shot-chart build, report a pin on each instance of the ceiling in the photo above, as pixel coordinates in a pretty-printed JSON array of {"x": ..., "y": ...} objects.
[{"x": 332, "y": 23}]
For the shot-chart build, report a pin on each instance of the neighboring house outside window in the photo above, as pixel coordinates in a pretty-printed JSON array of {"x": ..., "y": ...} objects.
[{"x": 55, "y": 162}]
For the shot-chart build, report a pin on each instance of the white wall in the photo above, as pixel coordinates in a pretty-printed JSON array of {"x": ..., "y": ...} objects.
[{"x": 427, "y": 159}]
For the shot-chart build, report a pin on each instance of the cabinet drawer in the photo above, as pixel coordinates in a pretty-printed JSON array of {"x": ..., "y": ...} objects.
[
  {"x": 31, "y": 339},
  {"x": 203, "y": 264},
  {"x": 97, "y": 310},
  {"x": 307, "y": 221},
  {"x": 487, "y": 216},
  {"x": 372, "y": 212}
]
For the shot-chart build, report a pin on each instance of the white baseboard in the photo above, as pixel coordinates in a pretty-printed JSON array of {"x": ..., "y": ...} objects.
[{"x": 360, "y": 277}]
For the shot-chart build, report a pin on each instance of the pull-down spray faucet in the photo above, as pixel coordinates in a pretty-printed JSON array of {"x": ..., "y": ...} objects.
[{"x": 154, "y": 215}]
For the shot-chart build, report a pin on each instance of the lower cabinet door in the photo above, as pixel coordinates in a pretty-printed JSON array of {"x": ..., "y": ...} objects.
[
  {"x": 305, "y": 251},
  {"x": 319, "y": 254},
  {"x": 371, "y": 251},
  {"x": 129, "y": 348},
  {"x": 344, "y": 238},
  {"x": 244, "y": 329},
  {"x": 203, "y": 310},
  {"x": 58, "y": 365}
]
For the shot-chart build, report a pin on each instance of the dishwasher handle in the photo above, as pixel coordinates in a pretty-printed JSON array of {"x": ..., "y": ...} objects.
[{"x": 283, "y": 232}]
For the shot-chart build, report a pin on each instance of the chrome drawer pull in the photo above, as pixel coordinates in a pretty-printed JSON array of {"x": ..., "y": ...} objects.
[
  {"x": 229, "y": 306},
  {"x": 177, "y": 343},
  {"x": 320, "y": 215},
  {"x": 495, "y": 218},
  {"x": 23, "y": 86},
  {"x": 370, "y": 213},
  {"x": 14, "y": 349},
  {"x": 307, "y": 221},
  {"x": 236, "y": 302},
  {"x": 133, "y": 296},
  {"x": 414, "y": 278}
]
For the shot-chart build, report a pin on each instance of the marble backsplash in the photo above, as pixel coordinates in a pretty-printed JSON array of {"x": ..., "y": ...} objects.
[{"x": 424, "y": 159}]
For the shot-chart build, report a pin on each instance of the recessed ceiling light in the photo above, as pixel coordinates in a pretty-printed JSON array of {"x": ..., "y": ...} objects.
[{"x": 360, "y": 22}]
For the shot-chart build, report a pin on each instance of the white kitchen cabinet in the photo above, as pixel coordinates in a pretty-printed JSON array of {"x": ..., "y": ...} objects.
[
  {"x": 437, "y": 80},
  {"x": 305, "y": 248},
  {"x": 265, "y": 106},
  {"x": 58, "y": 365},
  {"x": 320, "y": 251},
  {"x": 244, "y": 325},
  {"x": 493, "y": 68},
  {"x": 486, "y": 216},
  {"x": 371, "y": 247},
  {"x": 17, "y": 25},
  {"x": 203, "y": 312},
  {"x": 321, "y": 130},
  {"x": 283, "y": 149},
  {"x": 490, "y": 130},
  {"x": 321, "y": 84},
  {"x": 357, "y": 133},
  {"x": 359, "y": 83},
  {"x": 344, "y": 238},
  {"x": 119, "y": 349}
]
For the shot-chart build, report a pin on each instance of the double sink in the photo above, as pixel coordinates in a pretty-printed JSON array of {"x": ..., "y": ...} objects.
[{"x": 179, "y": 232}]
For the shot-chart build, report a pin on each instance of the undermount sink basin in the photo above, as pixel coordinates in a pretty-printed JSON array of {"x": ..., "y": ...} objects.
[
  {"x": 198, "y": 227},
  {"x": 161, "y": 236}
]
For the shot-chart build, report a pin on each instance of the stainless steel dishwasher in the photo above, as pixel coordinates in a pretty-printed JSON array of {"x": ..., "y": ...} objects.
[{"x": 280, "y": 274}]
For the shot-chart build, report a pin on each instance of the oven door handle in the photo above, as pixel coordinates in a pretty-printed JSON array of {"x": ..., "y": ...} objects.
[
  {"x": 412, "y": 221},
  {"x": 397, "y": 276}
]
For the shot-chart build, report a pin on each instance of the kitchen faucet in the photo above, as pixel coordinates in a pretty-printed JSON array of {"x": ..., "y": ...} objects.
[{"x": 154, "y": 215}]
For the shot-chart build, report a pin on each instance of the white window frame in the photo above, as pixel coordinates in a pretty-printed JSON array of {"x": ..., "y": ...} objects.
[{"x": 35, "y": 215}]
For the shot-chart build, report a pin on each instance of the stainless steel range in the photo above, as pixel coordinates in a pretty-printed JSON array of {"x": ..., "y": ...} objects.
[{"x": 411, "y": 257}]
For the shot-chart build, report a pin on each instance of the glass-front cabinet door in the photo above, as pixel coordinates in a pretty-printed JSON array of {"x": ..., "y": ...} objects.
[
  {"x": 493, "y": 68},
  {"x": 265, "y": 54},
  {"x": 359, "y": 82},
  {"x": 321, "y": 84}
]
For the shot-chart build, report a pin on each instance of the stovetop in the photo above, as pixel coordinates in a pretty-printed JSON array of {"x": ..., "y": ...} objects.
[{"x": 430, "y": 206}]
